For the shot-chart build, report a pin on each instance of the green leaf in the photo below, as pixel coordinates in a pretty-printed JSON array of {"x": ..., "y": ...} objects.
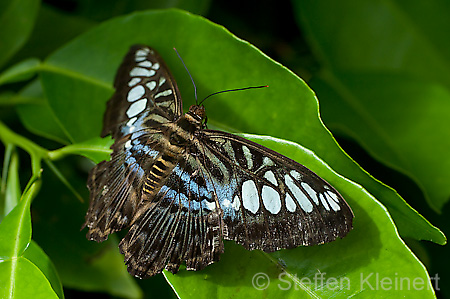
[
  {"x": 20, "y": 277},
  {"x": 60, "y": 89},
  {"x": 388, "y": 75},
  {"x": 78, "y": 81},
  {"x": 372, "y": 249},
  {"x": 399, "y": 134},
  {"x": 38, "y": 257},
  {"x": 24, "y": 280},
  {"x": 20, "y": 72},
  {"x": 15, "y": 230},
  {"x": 398, "y": 36},
  {"x": 96, "y": 149},
  {"x": 16, "y": 20},
  {"x": 12, "y": 191},
  {"x": 37, "y": 116}
]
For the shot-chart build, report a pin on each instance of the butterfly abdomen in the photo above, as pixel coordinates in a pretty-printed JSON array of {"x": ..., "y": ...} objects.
[{"x": 158, "y": 173}]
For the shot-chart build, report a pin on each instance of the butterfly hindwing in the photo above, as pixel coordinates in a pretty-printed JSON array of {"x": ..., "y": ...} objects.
[{"x": 181, "y": 223}]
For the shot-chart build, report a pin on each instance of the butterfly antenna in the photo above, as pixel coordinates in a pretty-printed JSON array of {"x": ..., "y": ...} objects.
[
  {"x": 229, "y": 90},
  {"x": 193, "y": 83}
]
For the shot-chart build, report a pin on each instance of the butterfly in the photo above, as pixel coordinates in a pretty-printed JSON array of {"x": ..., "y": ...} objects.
[{"x": 183, "y": 189}]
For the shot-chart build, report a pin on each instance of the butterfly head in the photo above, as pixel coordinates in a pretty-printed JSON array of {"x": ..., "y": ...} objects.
[{"x": 197, "y": 115}]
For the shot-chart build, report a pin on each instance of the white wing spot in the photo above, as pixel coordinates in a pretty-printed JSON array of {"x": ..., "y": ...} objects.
[
  {"x": 324, "y": 201},
  {"x": 331, "y": 201},
  {"x": 290, "y": 204},
  {"x": 250, "y": 196},
  {"x": 162, "y": 80},
  {"x": 139, "y": 71},
  {"x": 209, "y": 205},
  {"x": 165, "y": 104},
  {"x": 140, "y": 58},
  {"x": 296, "y": 175},
  {"x": 130, "y": 125},
  {"x": 333, "y": 196},
  {"x": 131, "y": 121},
  {"x": 268, "y": 162},
  {"x": 271, "y": 199},
  {"x": 136, "y": 108},
  {"x": 145, "y": 63},
  {"x": 164, "y": 93},
  {"x": 248, "y": 157},
  {"x": 236, "y": 203},
  {"x": 128, "y": 144},
  {"x": 135, "y": 93},
  {"x": 151, "y": 85},
  {"x": 229, "y": 150},
  {"x": 304, "y": 202},
  {"x": 271, "y": 177},
  {"x": 311, "y": 192},
  {"x": 134, "y": 81},
  {"x": 155, "y": 66},
  {"x": 142, "y": 52}
]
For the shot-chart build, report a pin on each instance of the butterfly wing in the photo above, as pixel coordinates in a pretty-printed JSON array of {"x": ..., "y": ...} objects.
[
  {"x": 269, "y": 201},
  {"x": 146, "y": 96}
]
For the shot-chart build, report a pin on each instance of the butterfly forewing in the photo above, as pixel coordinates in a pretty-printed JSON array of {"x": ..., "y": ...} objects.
[
  {"x": 145, "y": 97},
  {"x": 182, "y": 189},
  {"x": 146, "y": 94},
  {"x": 275, "y": 202}
]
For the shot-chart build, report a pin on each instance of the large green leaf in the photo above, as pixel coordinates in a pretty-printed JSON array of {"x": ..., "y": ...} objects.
[
  {"x": 387, "y": 82},
  {"x": 16, "y": 20},
  {"x": 77, "y": 82}
]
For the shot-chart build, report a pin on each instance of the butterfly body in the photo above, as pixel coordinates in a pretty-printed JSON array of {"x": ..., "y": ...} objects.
[{"x": 182, "y": 189}]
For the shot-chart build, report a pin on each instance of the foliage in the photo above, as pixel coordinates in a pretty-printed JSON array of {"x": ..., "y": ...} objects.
[{"x": 392, "y": 103}]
